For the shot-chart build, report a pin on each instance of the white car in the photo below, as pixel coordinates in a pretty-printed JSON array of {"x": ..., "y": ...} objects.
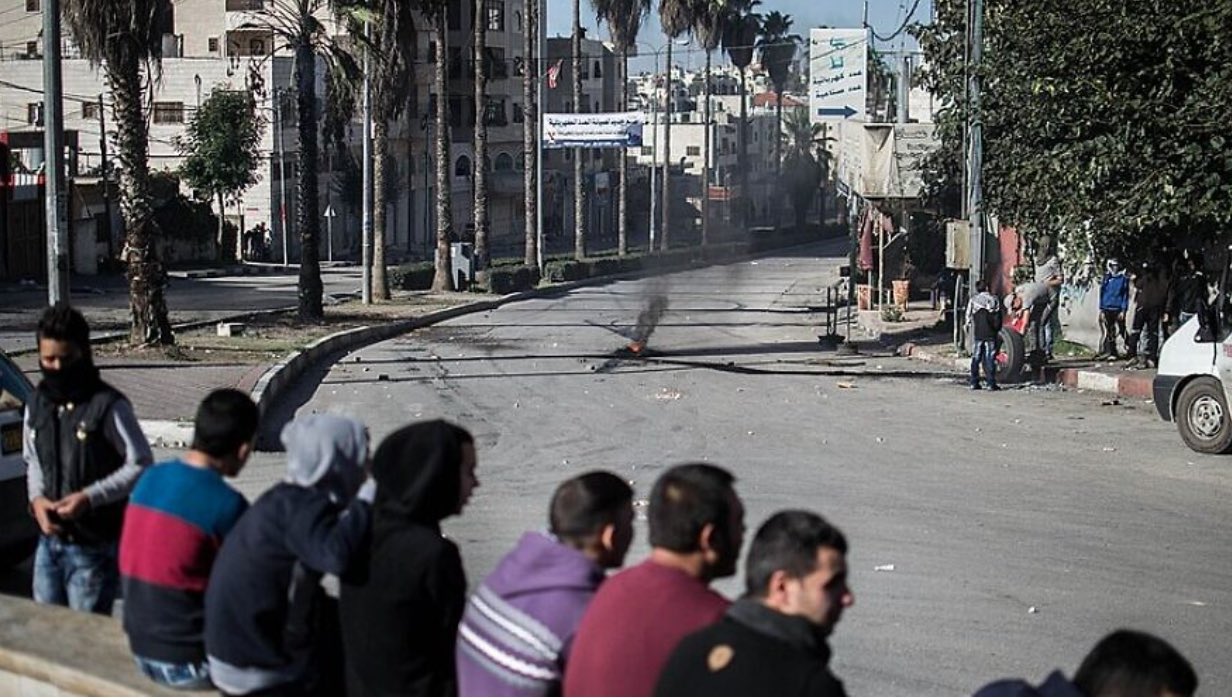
[{"x": 17, "y": 530}]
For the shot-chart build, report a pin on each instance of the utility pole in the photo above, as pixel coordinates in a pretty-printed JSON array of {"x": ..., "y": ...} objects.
[
  {"x": 654, "y": 149},
  {"x": 541, "y": 64},
  {"x": 102, "y": 147},
  {"x": 282, "y": 175},
  {"x": 53, "y": 160},
  {"x": 366, "y": 290},
  {"x": 975, "y": 156}
]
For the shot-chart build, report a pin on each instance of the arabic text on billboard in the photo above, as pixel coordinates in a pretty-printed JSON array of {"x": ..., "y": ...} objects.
[
  {"x": 603, "y": 130},
  {"x": 837, "y": 65}
]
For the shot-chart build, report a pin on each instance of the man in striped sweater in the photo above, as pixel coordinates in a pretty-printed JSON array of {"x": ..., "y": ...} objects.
[{"x": 178, "y": 515}]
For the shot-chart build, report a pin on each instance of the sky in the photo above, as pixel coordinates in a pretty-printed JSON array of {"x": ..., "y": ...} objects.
[{"x": 884, "y": 15}]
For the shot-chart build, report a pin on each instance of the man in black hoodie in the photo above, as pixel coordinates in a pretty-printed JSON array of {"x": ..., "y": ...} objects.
[
  {"x": 403, "y": 596},
  {"x": 773, "y": 641}
]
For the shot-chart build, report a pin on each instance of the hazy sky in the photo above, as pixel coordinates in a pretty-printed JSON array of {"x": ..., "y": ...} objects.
[{"x": 884, "y": 15}]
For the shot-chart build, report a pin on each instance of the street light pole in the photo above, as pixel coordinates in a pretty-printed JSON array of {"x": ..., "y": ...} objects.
[
  {"x": 541, "y": 107},
  {"x": 654, "y": 149},
  {"x": 282, "y": 175},
  {"x": 53, "y": 158},
  {"x": 366, "y": 291},
  {"x": 975, "y": 154}
]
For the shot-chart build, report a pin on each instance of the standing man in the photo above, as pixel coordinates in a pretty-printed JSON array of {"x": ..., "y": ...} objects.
[
  {"x": 1032, "y": 302},
  {"x": 1113, "y": 303},
  {"x": 639, "y": 616},
  {"x": 1150, "y": 299},
  {"x": 1049, "y": 273},
  {"x": 84, "y": 451},
  {"x": 773, "y": 641},
  {"x": 984, "y": 317}
]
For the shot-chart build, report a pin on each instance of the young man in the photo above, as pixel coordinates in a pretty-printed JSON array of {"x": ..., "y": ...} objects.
[
  {"x": 542, "y": 588},
  {"x": 984, "y": 315},
  {"x": 638, "y": 616},
  {"x": 1048, "y": 272},
  {"x": 1113, "y": 304},
  {"x": 1032, "y": 301},
  {"x": 1124, "y": 663},
  {"x": 84, "y": 451},
  {"x": 773, "y": 641},
  {"x": 178, "y": 516}
]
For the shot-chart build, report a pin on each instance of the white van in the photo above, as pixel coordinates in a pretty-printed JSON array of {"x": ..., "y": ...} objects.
[{"x": 17, "y": 530}]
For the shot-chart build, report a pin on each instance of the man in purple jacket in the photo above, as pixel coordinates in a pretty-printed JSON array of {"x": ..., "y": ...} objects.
[{"x": 518, "y": 627}]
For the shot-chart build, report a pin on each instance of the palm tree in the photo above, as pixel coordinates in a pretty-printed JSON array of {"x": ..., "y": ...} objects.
[
  {"x": 624, "y": 21},
  {"x": 709, "y": 23},
  {"x": 297, "y": 27},
  {"x": 778, "y": 49},
  {"x": 805, "y": 171},
  {"x": 122, "y": 36},
  {"x": 480, "y": 209},
  {"x": 739, "y": 34},
  {"x": 579, "y": 101},
  {"x": 437, "y": 12},
  {"x": 676, "y": 17},
  {"x": 532, "y": 70},
  {"x": 394, "y": 48}
]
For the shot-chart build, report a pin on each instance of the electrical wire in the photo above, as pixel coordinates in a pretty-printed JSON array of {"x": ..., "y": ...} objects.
[{"x": 901, "y": 28}]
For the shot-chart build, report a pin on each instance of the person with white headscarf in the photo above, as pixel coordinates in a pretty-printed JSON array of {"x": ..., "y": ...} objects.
[{"x": 264, "y": 606}]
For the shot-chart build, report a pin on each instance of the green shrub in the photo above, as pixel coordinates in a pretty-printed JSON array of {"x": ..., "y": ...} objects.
[
  {"x": 412, "y": 277},
  {"x": 511, "y": 279}
]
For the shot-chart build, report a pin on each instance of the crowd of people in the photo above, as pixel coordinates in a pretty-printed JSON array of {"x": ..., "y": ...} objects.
[{"x": 222, "y": 594}]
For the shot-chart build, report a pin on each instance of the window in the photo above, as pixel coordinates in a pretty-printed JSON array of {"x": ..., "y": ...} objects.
[
  {"x": 34, "y": 6},
  {"x": 521, "y": 162},
  {"x": 245, "y": 5},
  {"x": 568, "y": 107},
  {"x": 504, "y": 162},
  {"x": 598, "y": 72},
  {"x": 519, "y": 116},
  {"x": 693, "y": 151},
  {"x": 647, "y": 150},
  {"x": 89, "y": 110},
  {"x": 568, "y": 155},
  {"x": 212, "y": 44},
  {"x": 517, "y": 20},
  {"x": 498, "y": 68},
  {"x": 494, "y": 113},
  {"x": 519, "y": 66},
  {"x": 462, "y": 168},
  {"x": 256, "y": 47},
  {"x": 496, "y": 15},
  {"x": 455, "y": 111},
  {"x": 34, "y": 113},
  {"x": 454, "y": 16},
  {"x": 32, "y": 49},
  {"x": 431, "y": 52},
  {"x": 168, "y": 112},
  {"x": 598, "y": 108}
]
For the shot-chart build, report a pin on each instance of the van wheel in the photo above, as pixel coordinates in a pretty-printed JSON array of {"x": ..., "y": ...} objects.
[{"x": 1202, "y": 417}]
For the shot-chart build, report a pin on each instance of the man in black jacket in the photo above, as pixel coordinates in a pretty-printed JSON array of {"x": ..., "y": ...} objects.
[
  {"x": 773, "y": 641},
  {"x": 984, "y": 316}
]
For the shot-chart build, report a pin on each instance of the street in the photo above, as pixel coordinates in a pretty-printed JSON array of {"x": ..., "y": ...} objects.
[{"x": 991, "y": 534}]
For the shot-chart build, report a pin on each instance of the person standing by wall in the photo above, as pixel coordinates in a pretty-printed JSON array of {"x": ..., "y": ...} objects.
[{"x": 1113, "y": 304}]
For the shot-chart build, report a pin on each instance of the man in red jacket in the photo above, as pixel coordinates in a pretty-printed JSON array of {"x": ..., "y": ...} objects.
[{"x": 639, "y": 616}]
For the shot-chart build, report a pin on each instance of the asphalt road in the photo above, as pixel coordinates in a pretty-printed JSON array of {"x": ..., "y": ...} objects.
[{"x": 1021, "y": 526}]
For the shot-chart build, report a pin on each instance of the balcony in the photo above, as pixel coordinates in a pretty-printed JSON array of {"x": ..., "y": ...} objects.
[{"x": 245, "y": 5}]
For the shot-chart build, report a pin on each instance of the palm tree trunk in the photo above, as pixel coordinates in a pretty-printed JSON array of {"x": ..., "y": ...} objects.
[
  {"x": 310, "y": 288},
  {"x": 579, "y": 185},
  {"x": 778, "y": 134},
  {"x": 665, "y": 226},
  {"x": 146, "y": 275},
  {"x": 622, "y": 225},
  {"x": 745, "y": 194},
  {"x": 531, "y": 71},
  {"x": 706, "y": 156},
  {"x": 481, "y": 143},
  {"x": 222, "y": 230},
  {"x": 442, "y": 280},
  {"x": 380, "y": 175}
]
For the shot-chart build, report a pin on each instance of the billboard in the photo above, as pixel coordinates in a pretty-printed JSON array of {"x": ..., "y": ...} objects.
[
  {"x": 838, "y": 59},
  {"x": 601, "y": 130}
]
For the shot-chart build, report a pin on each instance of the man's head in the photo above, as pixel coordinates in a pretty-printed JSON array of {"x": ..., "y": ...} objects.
[
  {"x": 224, "y": 429},
  {"x": 981, "y": 286},
  {"x": 797, "y": 566},
  {"x": 594, "y": 513},
  {"x": 1130, "y": 663},
  {"x": 63, "y": 338},
  {"x": 1113, "y": 266},
  {"x": 694, "y": 510}
]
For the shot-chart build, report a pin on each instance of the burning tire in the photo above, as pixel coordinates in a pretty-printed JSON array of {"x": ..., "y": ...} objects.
[{"x": 1011, "y": 354}]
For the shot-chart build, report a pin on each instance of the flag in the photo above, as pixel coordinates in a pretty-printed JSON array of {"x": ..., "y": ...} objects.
[{"x": 553, "y": 74}]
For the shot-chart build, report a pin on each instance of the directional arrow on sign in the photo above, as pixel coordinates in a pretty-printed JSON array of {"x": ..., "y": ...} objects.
[{"x": 845, "y": 111}]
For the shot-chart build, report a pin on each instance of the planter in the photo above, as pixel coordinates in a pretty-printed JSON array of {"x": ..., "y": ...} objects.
[
  {"x": 902, "y": 292},
  {"x": 864, "y": 297}
]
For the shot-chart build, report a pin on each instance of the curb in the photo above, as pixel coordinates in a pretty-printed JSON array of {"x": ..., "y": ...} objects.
[{"x": 1138, "y": 386}]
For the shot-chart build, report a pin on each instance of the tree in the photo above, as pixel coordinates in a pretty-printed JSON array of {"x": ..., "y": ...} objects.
[
  {"x": 739, "y": 36},
  {"x": 624, "y": 21},
  {"x": 579, "y": 104},
  {"x": 676, "y": 18},
  {"x": 777, "y": 46},
  {"x": 532, "y": 70},
  {"x": 122, "y": 36},
  {"x": 222, "y": 149},
  {"x": 1118, "y": 154},
  {"x": 437, "y": 12},
  {"x": 297, "y": 27},
  {"x": 480, "y": 209},
  {"x": 709, "y": 22},
  {"x": 805, "y": 170}
]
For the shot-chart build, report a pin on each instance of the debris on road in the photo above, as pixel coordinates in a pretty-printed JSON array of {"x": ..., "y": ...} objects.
[
  {"x": 381, "y": 376},
  {"x": 845, "y": 385},
  {"x": 1033, "y": 610},
  {"x": 1109, "y": 449},
  {"x": 1110, "y": 403},
  {"x": 884, "y": 568},
  {"x": 668, "y": 394},
  {"x": 880, "y": 440}
]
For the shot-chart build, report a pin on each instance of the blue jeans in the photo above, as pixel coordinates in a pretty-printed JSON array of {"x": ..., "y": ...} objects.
[
  {"x": 82, "y": 577},
  {"x": 193, "y": 676},
  {"x": 984, "y": 352}
]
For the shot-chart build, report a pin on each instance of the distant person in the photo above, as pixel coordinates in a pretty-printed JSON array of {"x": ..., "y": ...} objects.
[
  {"x": 1113, "y": 304},
  {"x": 84, "y": 451},
  {"x": 543, "y": 587},
  {"x": 1049, "y": 272},
  {"x": 403, "y": 596},
  {"x": 178, "y": 516},
  {"x": 1150, "y": 303},
  {"x": 1125, "y": 663},
  {"x": 639, "y": 616},
  {"x": 264, "y": 606},
  {"x": 984, "y": 317},
  {"x": 943, "y": 289},
  {"x": 1190, "y": 295},
  {"x": 772, "y": 642}
]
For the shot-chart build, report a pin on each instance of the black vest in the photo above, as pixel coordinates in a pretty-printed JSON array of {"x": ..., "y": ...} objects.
[{"x": 74, "y": 453}]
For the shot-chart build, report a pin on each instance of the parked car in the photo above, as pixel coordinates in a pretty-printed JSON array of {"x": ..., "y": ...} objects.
[{"x": 18, "y": 532}]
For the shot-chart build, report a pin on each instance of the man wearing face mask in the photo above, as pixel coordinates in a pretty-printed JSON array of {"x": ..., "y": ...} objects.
[
  {"x": 773, "y": 642},
  {"x": 84, "y": 452}
]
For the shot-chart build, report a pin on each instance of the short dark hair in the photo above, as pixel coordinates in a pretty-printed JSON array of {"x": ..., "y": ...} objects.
[
  {"x": 684, "y": 500},
  {"x": 226, "y": 419},
  {"x": 582, "y": 506},
  {"x": 64, "y": 323},
  {"x": 981, "y": 286},
  {"x": 788, "y": 541},
  {"x": 1132, "y": 663}
]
